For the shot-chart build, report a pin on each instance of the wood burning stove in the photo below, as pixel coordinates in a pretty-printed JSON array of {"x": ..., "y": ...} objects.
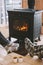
[{"x": 24, "y": 23}]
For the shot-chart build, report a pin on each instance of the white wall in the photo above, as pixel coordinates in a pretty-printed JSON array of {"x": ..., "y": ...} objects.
[
  {"x": 0, "y": 12},
  {"x": 13, "y": 4},
  {"x": 17, "y": 4}
]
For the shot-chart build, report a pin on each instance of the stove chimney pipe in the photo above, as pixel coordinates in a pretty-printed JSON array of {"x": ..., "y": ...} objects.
[{"x": 31, "y": 4}]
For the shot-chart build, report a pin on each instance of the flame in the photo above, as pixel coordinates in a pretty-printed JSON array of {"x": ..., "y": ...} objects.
[{"x": 22, "y": 28}]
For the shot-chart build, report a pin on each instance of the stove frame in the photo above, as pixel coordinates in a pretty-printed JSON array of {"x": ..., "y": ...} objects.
[{"x": 32, "y": 18}]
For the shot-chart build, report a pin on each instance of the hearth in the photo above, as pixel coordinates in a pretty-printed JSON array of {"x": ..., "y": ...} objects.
[{"x": 24, "y": 23}]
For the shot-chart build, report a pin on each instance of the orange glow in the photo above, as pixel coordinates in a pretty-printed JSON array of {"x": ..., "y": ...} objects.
[{"x": 21, "y": 28}]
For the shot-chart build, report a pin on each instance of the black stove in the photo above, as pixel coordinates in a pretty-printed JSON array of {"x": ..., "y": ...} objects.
[{"x": 24, "y": 23}]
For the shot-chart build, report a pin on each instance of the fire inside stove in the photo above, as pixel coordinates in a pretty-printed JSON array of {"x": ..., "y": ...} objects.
[{"x": 21, "y": 26}]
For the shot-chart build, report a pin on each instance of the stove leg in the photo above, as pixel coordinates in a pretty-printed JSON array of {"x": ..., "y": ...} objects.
[
  {"x": 10, "y": 38},
  {"x": 39, "y": 38}
]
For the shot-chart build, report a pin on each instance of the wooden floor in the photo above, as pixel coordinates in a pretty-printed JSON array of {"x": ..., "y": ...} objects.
[
  {"x": 28, "y": 60},
  {"x": 5, "y": 31}
]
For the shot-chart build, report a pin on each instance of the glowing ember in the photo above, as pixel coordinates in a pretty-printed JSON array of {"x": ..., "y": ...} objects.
[{"x": 21, "y": 28}]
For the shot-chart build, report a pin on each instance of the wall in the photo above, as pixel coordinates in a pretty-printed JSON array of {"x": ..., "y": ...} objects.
[
  {"x": 25, "y": 3},
  {"x": 38, "y": 4}
]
